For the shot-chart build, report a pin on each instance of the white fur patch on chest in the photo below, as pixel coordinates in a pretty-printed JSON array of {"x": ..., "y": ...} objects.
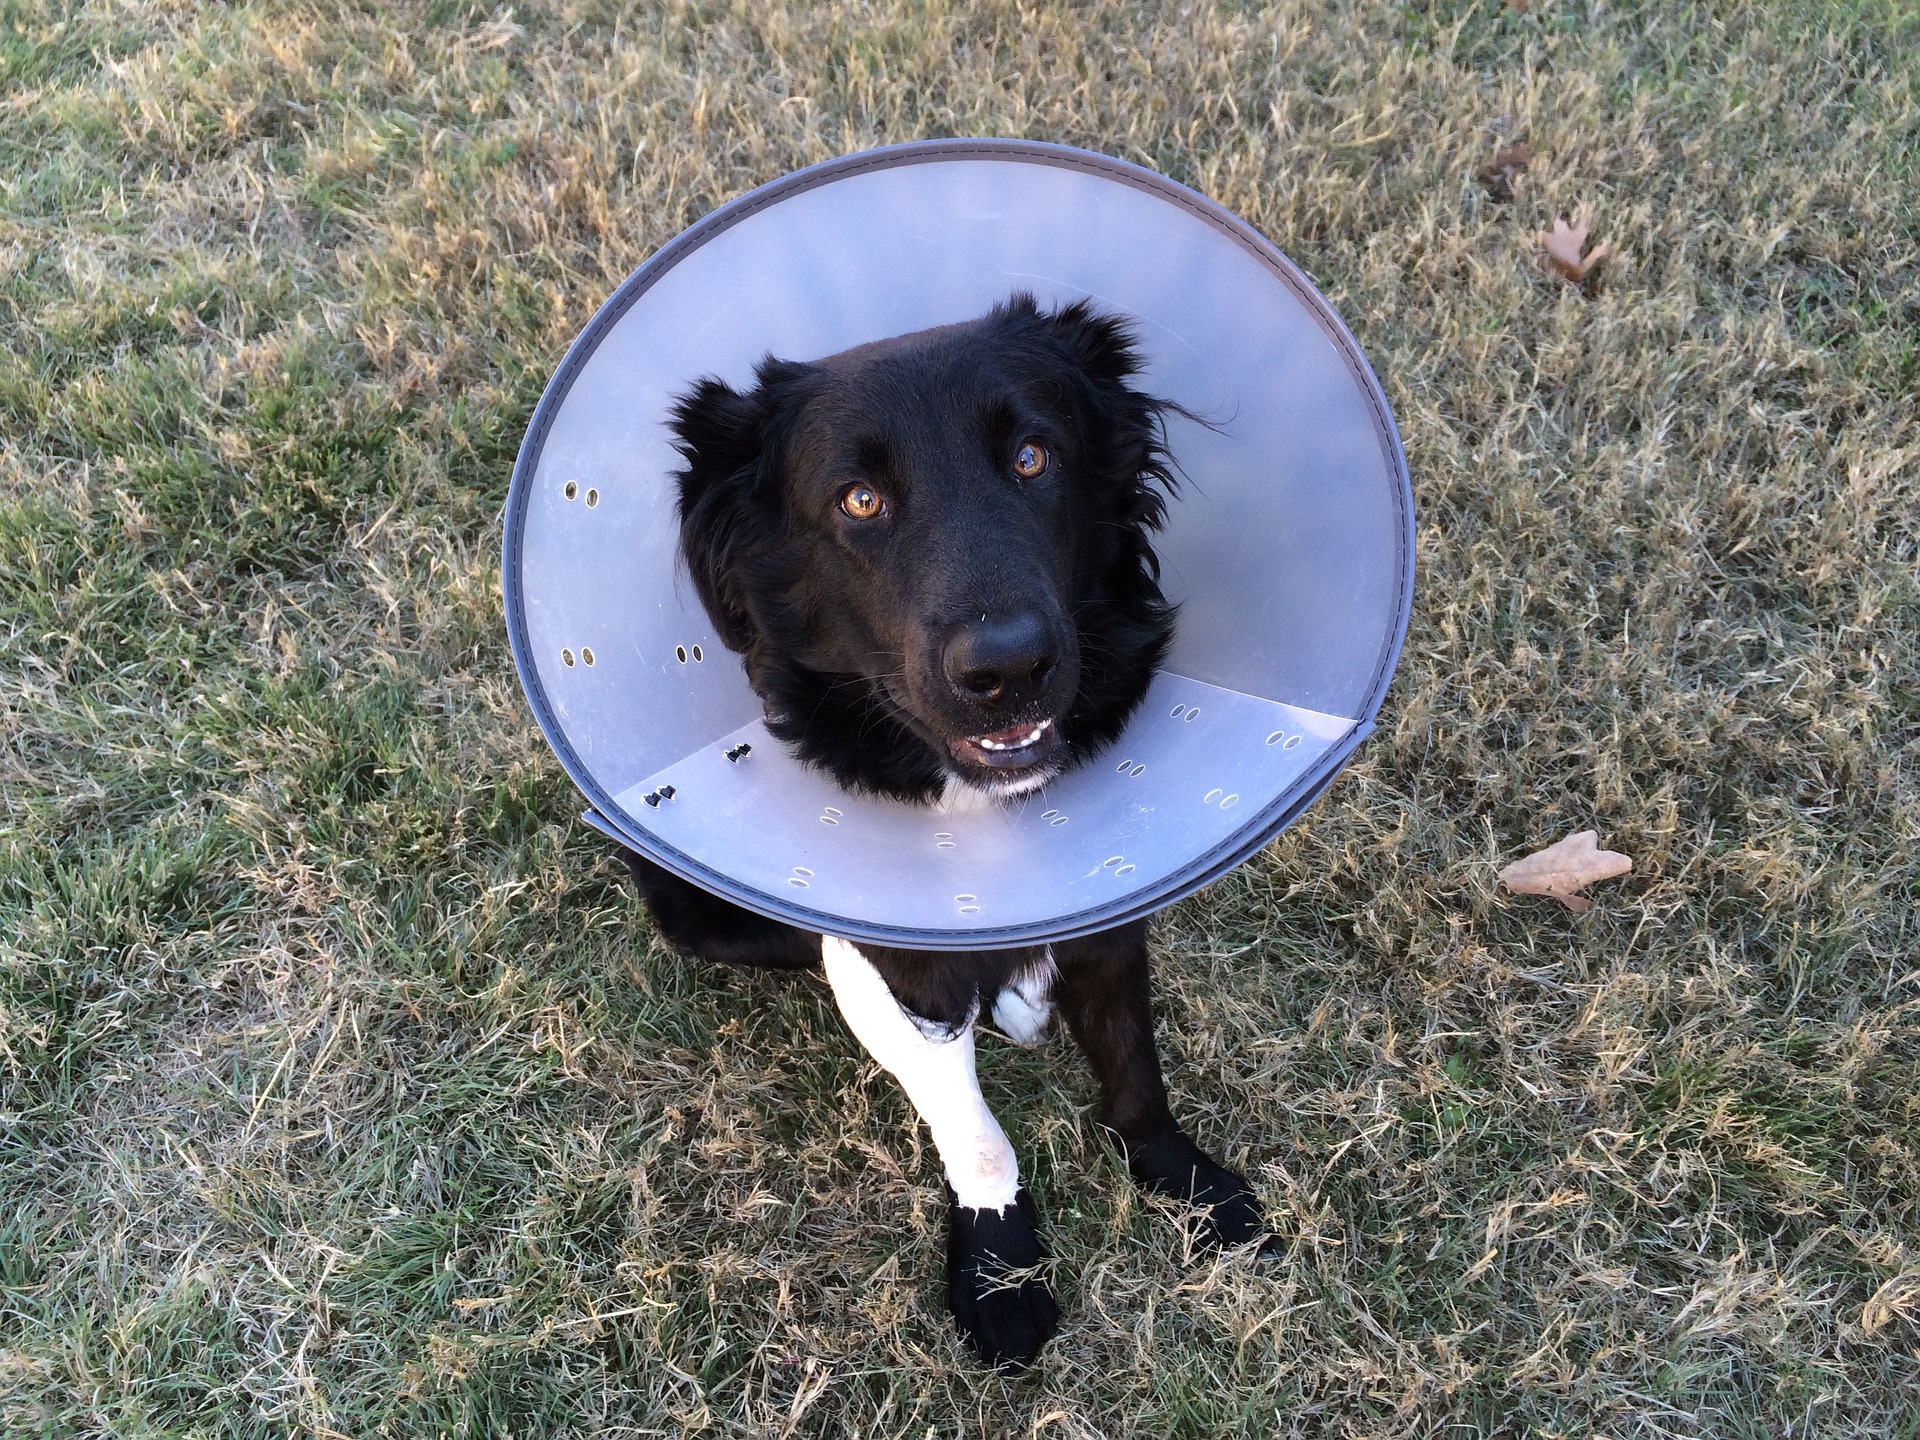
[
  {"x": 1024, "y": 1007},
  {"x": 960, "y": 798}
]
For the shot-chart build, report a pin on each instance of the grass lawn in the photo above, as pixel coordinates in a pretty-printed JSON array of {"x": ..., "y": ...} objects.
[{"x": 343, "y": 1089}]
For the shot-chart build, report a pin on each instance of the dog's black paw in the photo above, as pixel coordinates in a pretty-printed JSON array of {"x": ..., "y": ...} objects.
[
  {"x": 1226, "y": 1212},
  {"x": 998, "y": 1299}
]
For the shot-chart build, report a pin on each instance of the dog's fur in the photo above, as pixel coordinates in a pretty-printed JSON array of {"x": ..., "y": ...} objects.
[{"x": 984, "y": 627}]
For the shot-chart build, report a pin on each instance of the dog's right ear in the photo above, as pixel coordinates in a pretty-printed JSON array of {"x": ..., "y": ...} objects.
[{"x": 724, "y": 498}]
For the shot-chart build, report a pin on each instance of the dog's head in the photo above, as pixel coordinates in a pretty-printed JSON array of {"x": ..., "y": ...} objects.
[{"x": 933, "y": 551}]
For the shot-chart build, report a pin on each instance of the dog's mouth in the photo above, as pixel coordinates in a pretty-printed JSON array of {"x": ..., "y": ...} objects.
[{"x": 1018, "y": 747}]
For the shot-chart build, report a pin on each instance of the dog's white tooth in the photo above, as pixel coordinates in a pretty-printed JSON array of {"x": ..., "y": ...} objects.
[{"x": 1030, "y": 737}]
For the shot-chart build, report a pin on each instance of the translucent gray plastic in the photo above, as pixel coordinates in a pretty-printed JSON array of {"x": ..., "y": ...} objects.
[{"x": 1289, "y": 547}]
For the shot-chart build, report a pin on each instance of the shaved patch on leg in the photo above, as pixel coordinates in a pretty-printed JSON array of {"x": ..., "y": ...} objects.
[{"x": 937, "y": 1074}]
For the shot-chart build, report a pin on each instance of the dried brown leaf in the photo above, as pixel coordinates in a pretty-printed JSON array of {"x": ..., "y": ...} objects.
[
  {"x": 1499, "y": 173},
  {"x": 1564, "y": 868},
  {"x": 1563, "y": 245}
]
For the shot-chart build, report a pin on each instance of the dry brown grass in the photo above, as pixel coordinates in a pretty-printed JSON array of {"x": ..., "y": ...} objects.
[{"x": 342, "y": 1089}]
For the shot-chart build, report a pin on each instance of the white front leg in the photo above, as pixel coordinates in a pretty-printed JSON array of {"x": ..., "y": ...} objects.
[{"x": 938, "y": 1076}]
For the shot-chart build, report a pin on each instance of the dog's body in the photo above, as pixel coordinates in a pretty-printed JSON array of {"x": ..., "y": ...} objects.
[{"x": 933, "y": 554}]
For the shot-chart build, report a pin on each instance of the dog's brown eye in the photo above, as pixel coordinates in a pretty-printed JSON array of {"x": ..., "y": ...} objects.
[
  {"x": 861, "y": 502},
  {"x": 1030, "y": 459}
]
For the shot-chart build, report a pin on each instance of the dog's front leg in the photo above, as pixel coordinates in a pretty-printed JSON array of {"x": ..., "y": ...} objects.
[
  {"x": 998, "y": 1299},
  {"x": 709, "y": 928},
  {"x": 1103, "y": 991}
]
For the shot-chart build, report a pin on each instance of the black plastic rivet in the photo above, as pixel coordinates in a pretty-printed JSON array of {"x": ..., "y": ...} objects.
[
  {"x": 653, "y": 799},
  {"x": 666, "y": 792}
]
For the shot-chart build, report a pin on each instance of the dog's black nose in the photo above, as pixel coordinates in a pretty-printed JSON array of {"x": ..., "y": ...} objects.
[{"x": 1003, "y": 661}]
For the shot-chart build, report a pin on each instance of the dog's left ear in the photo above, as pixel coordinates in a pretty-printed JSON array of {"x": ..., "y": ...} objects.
[
  {"x": 1125, "y": 435},
  {"x": 1100, "y": 345}
]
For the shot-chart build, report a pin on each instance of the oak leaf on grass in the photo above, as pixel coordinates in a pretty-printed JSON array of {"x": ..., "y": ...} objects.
[
  {"x": 1565, "y": 868},
  {"x": 1563, "y": 245}
]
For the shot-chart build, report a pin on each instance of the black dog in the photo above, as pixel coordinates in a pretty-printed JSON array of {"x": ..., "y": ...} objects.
[{"x": 933, "y": 554}]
